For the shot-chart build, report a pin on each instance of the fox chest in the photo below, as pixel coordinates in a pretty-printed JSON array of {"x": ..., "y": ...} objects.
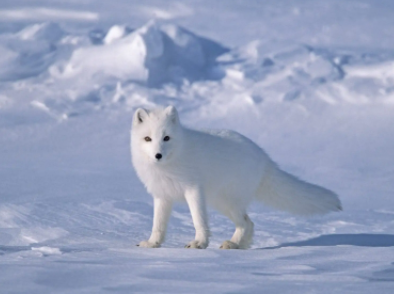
[{"x": 164, "y": 185}]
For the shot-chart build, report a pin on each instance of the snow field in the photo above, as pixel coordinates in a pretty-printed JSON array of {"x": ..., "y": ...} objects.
[{"x": 317, "y": 97}]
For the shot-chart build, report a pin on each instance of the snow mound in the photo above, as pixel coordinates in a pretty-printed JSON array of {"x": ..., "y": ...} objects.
[
  {"x": 115, "y": 33},
  {"x": 153, "y": 54},
  {"x": 29, "y": 52},
  {"x": 286, "y": 72}
]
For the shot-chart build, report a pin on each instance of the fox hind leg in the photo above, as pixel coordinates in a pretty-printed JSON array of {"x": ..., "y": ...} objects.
[{"x": 243, "y": 235}]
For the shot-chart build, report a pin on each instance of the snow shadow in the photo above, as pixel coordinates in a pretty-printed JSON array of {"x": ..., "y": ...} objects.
[
  {"x": 364, "y": 240},
  {"x": 386, "y": 275},
  {"x": 12, "y": 249}
]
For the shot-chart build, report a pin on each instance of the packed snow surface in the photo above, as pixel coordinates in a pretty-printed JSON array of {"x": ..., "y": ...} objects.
[{"x": 312, "y": 82}]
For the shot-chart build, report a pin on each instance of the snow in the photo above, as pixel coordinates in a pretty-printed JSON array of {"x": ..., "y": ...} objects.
[
  {"x": 311, "y": 82},
  {"x": 152, "y": 55}
]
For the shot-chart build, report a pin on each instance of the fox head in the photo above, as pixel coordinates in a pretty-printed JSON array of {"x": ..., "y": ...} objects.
[{"x": 156, "y": 134}]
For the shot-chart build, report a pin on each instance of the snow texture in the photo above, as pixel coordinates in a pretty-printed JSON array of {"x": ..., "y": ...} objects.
[{"x": 312, "y": 82}]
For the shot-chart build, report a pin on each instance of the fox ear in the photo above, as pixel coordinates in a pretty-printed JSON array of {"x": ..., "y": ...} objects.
[
  {"x": 172, "y": 113},
  {"x": 140, "y": 116}
]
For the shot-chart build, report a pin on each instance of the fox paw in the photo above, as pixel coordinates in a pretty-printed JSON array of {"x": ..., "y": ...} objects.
[
  {"x": 147, "y": 244},
  {"x": 197, "y": 245},
  {"x": 229, "y": 245}
]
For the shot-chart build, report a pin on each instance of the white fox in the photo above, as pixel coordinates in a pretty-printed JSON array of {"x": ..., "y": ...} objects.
[{"x": 222, "y": 169}]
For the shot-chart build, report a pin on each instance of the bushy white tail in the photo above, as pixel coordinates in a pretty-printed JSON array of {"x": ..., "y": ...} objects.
[{"x": 284, "y": 191}]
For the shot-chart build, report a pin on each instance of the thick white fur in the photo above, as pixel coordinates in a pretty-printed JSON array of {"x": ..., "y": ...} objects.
[{"x": 222, "y": 169}]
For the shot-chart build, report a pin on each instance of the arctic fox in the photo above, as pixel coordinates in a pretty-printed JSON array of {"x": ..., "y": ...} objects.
[{"x": 222, "y": 169}]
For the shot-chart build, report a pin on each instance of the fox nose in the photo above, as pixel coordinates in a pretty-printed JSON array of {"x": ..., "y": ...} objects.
[{"x": 158, "y": 156}]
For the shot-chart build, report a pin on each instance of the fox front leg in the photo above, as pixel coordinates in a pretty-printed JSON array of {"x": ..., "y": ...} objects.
[
  {"x": 196, "y": 201},
  {"x": 161, "y": 215}
]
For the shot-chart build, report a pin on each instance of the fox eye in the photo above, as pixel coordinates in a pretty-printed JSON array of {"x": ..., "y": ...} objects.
[
  {"x": 166, "y": 138},
  {"x": 147, "y": 139}
]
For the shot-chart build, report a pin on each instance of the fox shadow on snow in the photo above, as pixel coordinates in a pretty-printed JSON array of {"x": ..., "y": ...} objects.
[{"x": 364, "y": 240}]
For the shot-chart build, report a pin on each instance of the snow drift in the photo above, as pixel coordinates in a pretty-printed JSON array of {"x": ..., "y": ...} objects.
[
  {"x": 153, "y": 54},
  {"x": 125, "y": 67}
]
